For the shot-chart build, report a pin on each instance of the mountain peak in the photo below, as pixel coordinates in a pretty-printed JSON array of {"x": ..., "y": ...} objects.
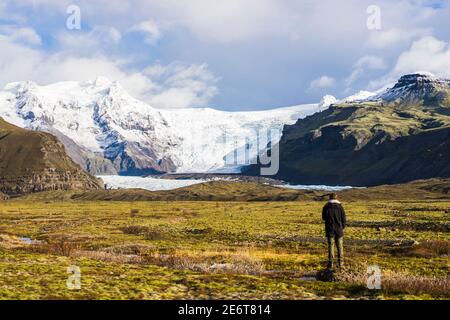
[
  {"x": 100, "y": 82},
  {"x": 327, "y": 101},
  {"x": 414, "y": 78},
  {"x": 417, "y": 86},
  {"x": 20, "y": 86},
  {"x": 359, "y": 96}
]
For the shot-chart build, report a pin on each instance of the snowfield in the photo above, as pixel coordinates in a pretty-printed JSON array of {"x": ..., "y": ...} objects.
[
  {"x": 152, "y": 184},
  {"x": 315, "y": 187},
  {"x": 101, "y": 117}
]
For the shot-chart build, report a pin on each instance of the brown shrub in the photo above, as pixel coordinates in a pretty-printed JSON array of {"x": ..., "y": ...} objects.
[
  {"x": 130, "y": 249},
  {"x": 397, "y": 282},
  {"x": 429, "y": 249},
  {"x": 58, "y": 246},
  {"x": 134, "y": 212},
  {"x": 416, "y": 284},
  {"x": 109, "y": 257},
  {"x": 154, "y": 235},
  {"x": 136, "y": 230},
  {"x": 439, "y": 247},
  {"x": 209, "y": 262},
  {"x": 149, "y": 233}
]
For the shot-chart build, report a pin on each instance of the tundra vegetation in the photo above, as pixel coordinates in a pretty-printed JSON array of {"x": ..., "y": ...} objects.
[{"x": 219, "y": 249}]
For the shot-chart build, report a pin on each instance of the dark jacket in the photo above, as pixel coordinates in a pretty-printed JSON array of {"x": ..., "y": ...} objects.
[{"x": 334, "y": 216}]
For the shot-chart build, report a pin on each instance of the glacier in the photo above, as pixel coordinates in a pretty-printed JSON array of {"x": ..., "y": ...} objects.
[
  {"x": 107, "y": 131},
  {"x": 160, "y": 184},
  {"x": 146, "y": 183}
]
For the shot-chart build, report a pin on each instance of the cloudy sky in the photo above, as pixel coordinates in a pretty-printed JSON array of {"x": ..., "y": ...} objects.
[{"x": 230, "y": 55}]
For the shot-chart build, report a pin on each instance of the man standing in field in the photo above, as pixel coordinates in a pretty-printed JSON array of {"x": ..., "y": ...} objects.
[{"x": 333, "y": 215}]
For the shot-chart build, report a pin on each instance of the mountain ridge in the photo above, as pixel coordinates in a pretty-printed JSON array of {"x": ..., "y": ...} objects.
[
  {"x": 113, "y": 132},
  {"x": 396, "y": 136}
]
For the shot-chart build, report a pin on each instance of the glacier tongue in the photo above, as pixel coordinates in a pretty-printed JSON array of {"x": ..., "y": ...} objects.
[{"x": 105, "y": 121}]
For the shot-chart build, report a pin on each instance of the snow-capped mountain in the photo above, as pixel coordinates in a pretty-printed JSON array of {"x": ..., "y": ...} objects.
[
  {"x": 359, "y": 96},
  {"x": 327, "y": 101},
  {"x": 413, "y": 87},
  {"x": 106, "y": 130},
  {"x": 409, "y": 88},
  {"x": 399, "y": 135}
]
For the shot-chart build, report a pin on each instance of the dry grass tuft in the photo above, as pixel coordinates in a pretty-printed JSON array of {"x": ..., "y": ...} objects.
[
  {"x": 59, "y": 246},
  {"x": 394, "y": 283},
  {"x": 134, "y": 212},
  {"x": 428, "y": 249},
  {"x": 438, "y": 247},
  {"x": 209, "y": 262},
  {"x": 136, "y": 230},
  {"x": 155, "y": 235},
  {"x": 10, "y": 241},
  {"x": 405, "y": 283},
  {"x": 130, "y": 249},
  {"x": 149, "y": 233},
  {"x": 109, "y": 257}
]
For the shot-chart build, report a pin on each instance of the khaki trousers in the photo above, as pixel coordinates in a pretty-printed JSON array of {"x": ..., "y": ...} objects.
[{"x": 339, "y": 242}]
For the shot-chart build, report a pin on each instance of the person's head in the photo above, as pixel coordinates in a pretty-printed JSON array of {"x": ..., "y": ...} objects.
[{"x": 333, "y": 196}]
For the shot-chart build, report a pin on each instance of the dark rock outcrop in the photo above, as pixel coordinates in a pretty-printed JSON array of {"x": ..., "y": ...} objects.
[{"x": 399, "y": 136}]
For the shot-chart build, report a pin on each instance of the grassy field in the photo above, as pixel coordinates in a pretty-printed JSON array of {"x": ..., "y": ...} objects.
[{"x": 202, "y": 250}]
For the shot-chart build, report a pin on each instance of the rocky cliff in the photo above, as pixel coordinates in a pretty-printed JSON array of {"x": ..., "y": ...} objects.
[{"x": 35, "y": 161}]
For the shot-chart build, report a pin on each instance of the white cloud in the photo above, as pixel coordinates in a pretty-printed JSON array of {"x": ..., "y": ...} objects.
[
  {"x": 237, "y": 20},
  {"x": 322, "y": 82},
  {"x": 7, "y": 15},
  {"x": 225, "y": 21},
  {"x": 175, "y": 86},
  {"x": 222, "y": 21},
  {"x": 252, "y": 40},
  {"x": 368, "y": 62},
  {"x": 155, "y": 71},
  {"x": 17, "y": 62},
  {"x": 100, "y": 38},
  {"x": 427, "y": 54},
  {"x": 181, "y": 86},
  {"x": 215, "y": 21},
  {"x": 395, "y": 37},
  {"x": 150, "y": 29},
  {"x": 18, "y": 34}
]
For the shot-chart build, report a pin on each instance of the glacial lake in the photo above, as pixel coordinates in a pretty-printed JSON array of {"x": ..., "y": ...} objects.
[{"x": 155, "y": 184}]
